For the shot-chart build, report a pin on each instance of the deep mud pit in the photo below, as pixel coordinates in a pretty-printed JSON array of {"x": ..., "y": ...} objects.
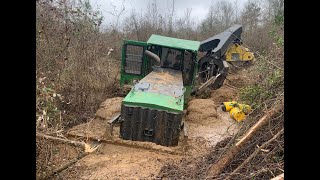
[{"x": 207, "y": 124}]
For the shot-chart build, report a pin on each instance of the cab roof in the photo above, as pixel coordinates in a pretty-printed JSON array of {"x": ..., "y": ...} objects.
[{"x": 176, "y": 43}]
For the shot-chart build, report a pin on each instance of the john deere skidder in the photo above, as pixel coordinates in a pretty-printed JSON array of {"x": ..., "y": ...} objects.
[{"x": 163, "y": 73}]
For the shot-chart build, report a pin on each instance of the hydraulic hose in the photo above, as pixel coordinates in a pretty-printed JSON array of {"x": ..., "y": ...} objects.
[{"x": 153, "y": 56}]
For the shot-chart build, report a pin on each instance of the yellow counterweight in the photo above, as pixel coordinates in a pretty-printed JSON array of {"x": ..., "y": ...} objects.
[{"x": 237, "y": 52}]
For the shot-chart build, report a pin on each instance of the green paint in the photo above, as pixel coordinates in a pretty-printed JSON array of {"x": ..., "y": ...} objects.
[
  {"x": 126, "y": 77},
  {"x": 174, "y": 42},
  {"x": 155, "y": 101},
  {"x": 138, "y": 43},
  {"x": 129, "y": 78}
]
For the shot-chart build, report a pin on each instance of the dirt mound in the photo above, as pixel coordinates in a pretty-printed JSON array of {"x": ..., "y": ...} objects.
[
  {"x": 94, "y": 129},
  {"x": 223, "y": 94},
  {"x": 109, "y": 107},
  {"x": 201, "y": 110}
]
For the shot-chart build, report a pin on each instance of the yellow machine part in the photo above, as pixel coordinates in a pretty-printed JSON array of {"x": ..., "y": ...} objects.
[
  {"x": 245, "y": 108},
  {"x": 237, "y": 114},
  {"x": 237, "y": 52},
  {"x": 237, "y": 111},
  {"x": 229, "y": 105}
]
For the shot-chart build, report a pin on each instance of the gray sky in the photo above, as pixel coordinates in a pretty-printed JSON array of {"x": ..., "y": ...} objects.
[{"x": 199, "y": 7}]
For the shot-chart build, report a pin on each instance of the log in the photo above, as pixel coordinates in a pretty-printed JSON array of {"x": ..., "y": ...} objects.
[
  {"x": 255, "y": 153},
  {"x": 217, "y": 168},
  {"x": 86, "y": 147}
]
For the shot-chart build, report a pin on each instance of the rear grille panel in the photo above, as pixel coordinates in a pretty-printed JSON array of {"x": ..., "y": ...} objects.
[{"x": 145, "y": 124}]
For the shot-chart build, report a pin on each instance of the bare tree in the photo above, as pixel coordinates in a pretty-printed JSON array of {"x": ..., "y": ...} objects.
[
  {"x": 224, "y": 13},
  {"x": 236, "y": 11},
  {"x": 220, "y": 17},
  {"x": 171, "y": 15},
  {"x": 133, "y": 25},
  {"x": 272, "y": 9},
  {"x": 185, "y": 25},
  {"x": 117, "y": 14},
  {"x": 250, "y": 15}
]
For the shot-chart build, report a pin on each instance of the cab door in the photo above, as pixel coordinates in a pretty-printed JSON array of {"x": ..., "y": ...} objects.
[{"x": 133, "y": 62}]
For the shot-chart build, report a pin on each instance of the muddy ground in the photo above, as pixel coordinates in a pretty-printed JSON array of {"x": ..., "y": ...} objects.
[{"x": 207, "y": 125}]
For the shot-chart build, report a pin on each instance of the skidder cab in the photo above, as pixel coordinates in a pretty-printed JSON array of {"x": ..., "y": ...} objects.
[
  {"x": 162, "y": 74},
  {"x": 164, "y": 69}
]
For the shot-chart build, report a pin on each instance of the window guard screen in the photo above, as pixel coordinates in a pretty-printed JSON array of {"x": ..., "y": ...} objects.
[{"x": 133, "y": 61}]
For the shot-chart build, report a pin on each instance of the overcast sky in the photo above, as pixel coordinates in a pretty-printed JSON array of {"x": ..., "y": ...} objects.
[{"x": 199, "y": 7}]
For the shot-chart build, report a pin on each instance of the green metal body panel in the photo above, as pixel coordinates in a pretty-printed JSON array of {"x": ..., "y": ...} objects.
[
  {"x": 176, "y": 43},
  {"x": 160, "y": 89},
  {"x": 126, "y": 76},
  {"x": 154, "y": 101},
  {"x": 129, "y": 78}
]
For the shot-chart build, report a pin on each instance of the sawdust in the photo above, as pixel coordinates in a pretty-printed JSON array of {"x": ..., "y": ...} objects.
[
  {"x": 94, "y": 129},
  {"x": 109, "y": 107},
  {"x": 223, "y": 94},
  {"x": 166, "y": 76},
  {"x": 162, "y": 77},
  {"x": 200, "y": 110}
]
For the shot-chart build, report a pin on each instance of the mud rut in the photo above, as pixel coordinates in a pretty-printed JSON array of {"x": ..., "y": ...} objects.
[{"x": 207, "y": 125}]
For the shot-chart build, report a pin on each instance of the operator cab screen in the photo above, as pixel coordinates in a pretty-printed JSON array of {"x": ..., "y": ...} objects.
[
  {"x": 175, "y": 59},
  {"x": 171, "y": 58}
]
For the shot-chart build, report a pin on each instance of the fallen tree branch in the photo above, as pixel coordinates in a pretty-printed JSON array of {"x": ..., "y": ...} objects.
[
  {"x": 65, "y": 141},
  {"x": 217, "y": 168},
  {"x": 65, "y": 166},
  {"x": 255, "y": 153},
  {"x": 86, "y": 147}
]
